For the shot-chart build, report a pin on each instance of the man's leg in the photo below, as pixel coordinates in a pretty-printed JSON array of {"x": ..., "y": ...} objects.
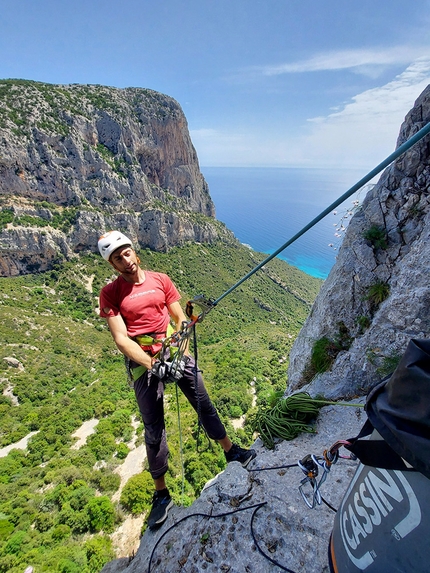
[
  {"x": 152, "y": 411},
  {"x": 209, "y": 417}
]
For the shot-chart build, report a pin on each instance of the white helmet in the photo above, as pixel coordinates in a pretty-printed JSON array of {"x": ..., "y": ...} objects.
[{"x": 110, "y": 242}]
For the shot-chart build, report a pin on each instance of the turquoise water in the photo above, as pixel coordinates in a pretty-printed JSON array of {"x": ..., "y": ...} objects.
[{"x": 265, "y": 207}]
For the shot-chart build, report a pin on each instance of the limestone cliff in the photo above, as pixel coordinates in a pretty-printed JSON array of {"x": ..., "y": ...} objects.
[
  {"x": 78, "y": 160},
  {"x": 377, "y": 295}
]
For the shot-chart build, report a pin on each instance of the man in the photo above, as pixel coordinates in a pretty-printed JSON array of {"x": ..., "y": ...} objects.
[{"x": 138, "y": 306}]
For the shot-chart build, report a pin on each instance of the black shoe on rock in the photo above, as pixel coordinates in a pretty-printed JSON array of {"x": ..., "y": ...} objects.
[
  {"x": 161, "y": 503},
  {"x": 238, "y": 454}
]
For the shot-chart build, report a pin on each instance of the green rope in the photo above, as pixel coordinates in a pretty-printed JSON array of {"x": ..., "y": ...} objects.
[
  {"x": 289, "y": 417},
  {"x": 181, "y": 448}
]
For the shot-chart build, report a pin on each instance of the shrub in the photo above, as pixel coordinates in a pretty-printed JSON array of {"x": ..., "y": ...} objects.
[
  {"x": 363, "y": 322},
  {"x": 101, "y": 514},
  {"x": 106, "y": 481},
  {"x": 378, "y": 292},
  {"x": 137, "y": 493},
  {"x": 122, "y": 451},
  {"x": 389, "y": 364},
  {"x": 325, "y": 351},
  {"x": 61, "y": 532},
  {"x": 323, "y": 354},
  {"x": 6, "y": 528},
  {"x": 15, "y": 542},
  {"x": 99, "y": 551},
  {"x": 68, "y": 566},
  {"x": 6, "y": 217},
  {"x": 377, "y": 237}
]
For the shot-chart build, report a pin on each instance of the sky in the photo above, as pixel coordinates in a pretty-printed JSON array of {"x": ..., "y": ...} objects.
[{"x": 270, "y": 83}]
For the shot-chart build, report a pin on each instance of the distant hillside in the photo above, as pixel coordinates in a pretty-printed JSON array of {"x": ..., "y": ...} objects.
[{"x": 76, "y": 160}]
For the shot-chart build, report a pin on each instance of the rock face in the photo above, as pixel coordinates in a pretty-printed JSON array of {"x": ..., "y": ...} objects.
[
  {"x": 285, "y": 528},
  {"x": 77, "y": 160},
  {"x": 377, "y": 296}
]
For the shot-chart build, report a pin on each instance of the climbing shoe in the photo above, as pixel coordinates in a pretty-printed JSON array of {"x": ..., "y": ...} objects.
[
  {"x": 238, "y": 454},
  {"x": 161, "y": 503}
]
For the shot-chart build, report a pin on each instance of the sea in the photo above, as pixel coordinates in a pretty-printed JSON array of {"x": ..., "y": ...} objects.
[{"x": 265, "y": 207}]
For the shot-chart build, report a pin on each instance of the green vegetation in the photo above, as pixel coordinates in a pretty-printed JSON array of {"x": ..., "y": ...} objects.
[
  {"x": 59, "y": 218},
  {"x": 384, "y": 364},
  {"x": 325, "y": 351},
  {"x": 377, "y": 237},
  {"x": 389, "y": 364},
  {"x": 56, "y": 504},
  {"x": 363, "y": 322},
  {"x": 377, "y": 293},
  {"x": 6, "y": 217}
]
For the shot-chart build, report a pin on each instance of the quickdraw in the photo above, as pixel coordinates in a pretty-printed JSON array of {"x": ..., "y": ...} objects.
[
  {"x": 311, "y": 466},
  {"x": 175, "y": 346}
]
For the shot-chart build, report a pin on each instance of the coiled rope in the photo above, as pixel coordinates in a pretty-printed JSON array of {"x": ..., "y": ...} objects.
[{"x": 289, "y": 417}]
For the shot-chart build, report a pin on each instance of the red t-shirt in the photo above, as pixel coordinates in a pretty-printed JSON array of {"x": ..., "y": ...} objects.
[{"x": 143, "y": 306}]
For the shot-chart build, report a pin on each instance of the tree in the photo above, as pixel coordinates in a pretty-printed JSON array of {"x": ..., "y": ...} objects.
[
  {"x": 101, "y": 514},
  {"x": 122, "y": 451},
  {"x": 137, "y": 493},
  {"x": 99, "y": 551}
]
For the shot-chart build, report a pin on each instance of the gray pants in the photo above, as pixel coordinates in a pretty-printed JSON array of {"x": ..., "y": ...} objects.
[{"x": 152, "y": 410}]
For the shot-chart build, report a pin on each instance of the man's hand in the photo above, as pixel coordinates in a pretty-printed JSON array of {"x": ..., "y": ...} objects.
[
  {"x": 160, "y": 370},
  {"x": 168, "y": 371}
]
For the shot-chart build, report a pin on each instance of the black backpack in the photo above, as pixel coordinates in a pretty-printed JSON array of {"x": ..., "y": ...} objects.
[{"x": 383, "y": 524}]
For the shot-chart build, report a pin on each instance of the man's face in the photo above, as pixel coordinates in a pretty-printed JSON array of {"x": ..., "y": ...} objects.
[{"x": 124, "y": 260}]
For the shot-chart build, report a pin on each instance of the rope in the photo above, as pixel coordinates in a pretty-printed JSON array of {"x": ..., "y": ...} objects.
[
  {"x": 198, "y": 515},
  {"x": 399, "y": 151},
  {"x": 289, "y": 417},
  {"x": 256, "y": 507},
  {"x": 181, "y": 445},
  {"x": 254, "y": 513}
]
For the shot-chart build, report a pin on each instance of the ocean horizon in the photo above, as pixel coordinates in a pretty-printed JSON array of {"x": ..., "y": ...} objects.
[{"x": 265, "y": 207}]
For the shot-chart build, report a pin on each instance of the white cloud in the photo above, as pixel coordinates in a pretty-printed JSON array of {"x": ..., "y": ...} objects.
[
  {"x": 366, "y": 62},
  {"x": 359, "y": 134},
  {"x": 364, "y": 132}
]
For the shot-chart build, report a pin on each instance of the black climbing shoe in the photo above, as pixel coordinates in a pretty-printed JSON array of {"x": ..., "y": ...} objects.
[
  {"x": 238, "y": 454},
  {"x": 161, "y": 503}
]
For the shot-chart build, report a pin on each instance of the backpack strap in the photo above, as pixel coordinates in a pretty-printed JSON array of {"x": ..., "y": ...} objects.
[{"x": 376, "y": 453}]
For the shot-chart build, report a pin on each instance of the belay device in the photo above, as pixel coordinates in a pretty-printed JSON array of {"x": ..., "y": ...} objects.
[{"x": 383, "y": 524}]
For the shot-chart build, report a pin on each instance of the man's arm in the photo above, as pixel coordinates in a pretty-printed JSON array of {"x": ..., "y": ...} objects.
[
  {"x": 178, "y": 316},
  {"x": 125, "y": 345}
]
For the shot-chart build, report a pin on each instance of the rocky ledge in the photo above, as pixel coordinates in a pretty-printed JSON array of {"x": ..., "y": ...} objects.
[
  {"x": 377, "y": 296},
  {"x": 241, "y": 509}
]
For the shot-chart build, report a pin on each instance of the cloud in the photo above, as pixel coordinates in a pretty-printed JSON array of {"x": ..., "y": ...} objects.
[
  {"x": 367, "y": 62},
  {"x": 365, "y": 130},
  {"x": 358, "y": 134}
]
